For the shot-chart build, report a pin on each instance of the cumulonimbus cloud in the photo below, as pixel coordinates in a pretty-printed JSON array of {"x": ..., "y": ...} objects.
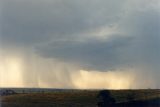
[{"x": 106, "y": 35}]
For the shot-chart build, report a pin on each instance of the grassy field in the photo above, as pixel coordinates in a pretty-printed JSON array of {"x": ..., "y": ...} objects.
[{"x": 75, "y": 98}]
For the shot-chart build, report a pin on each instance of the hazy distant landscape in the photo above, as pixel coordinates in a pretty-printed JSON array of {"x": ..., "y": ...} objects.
[{"x": 78, "y": 98}]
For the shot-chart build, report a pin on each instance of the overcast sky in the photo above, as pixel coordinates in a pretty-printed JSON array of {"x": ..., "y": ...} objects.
[{"x": 66, "y": 43}]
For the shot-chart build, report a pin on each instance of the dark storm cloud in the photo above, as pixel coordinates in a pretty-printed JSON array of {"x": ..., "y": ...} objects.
[
  {"x": 95, "y": 54},
  {"x": 138, "y": 47},
  {"x": 145, "y": 29},
  {"x": 55, "y": 29},
  {"x": 102, "y": 35},
  {"x": 27, "y": 22}
]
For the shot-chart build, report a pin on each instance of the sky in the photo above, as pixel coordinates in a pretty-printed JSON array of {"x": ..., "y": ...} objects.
[{"x": 80, "y": 44}]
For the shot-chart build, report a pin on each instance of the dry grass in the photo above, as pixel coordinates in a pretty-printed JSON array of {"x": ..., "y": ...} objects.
[{"x": 77, "y": 98}]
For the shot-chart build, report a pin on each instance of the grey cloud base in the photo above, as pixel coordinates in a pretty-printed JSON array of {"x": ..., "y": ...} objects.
[{"x": 70, "y": 31}]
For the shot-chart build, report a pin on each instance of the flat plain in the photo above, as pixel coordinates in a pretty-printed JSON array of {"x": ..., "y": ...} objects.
[{"x": 79, "y": 98}]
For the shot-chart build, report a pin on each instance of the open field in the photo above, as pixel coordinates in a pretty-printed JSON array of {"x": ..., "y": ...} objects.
[{"x": 78, "y": 98}]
